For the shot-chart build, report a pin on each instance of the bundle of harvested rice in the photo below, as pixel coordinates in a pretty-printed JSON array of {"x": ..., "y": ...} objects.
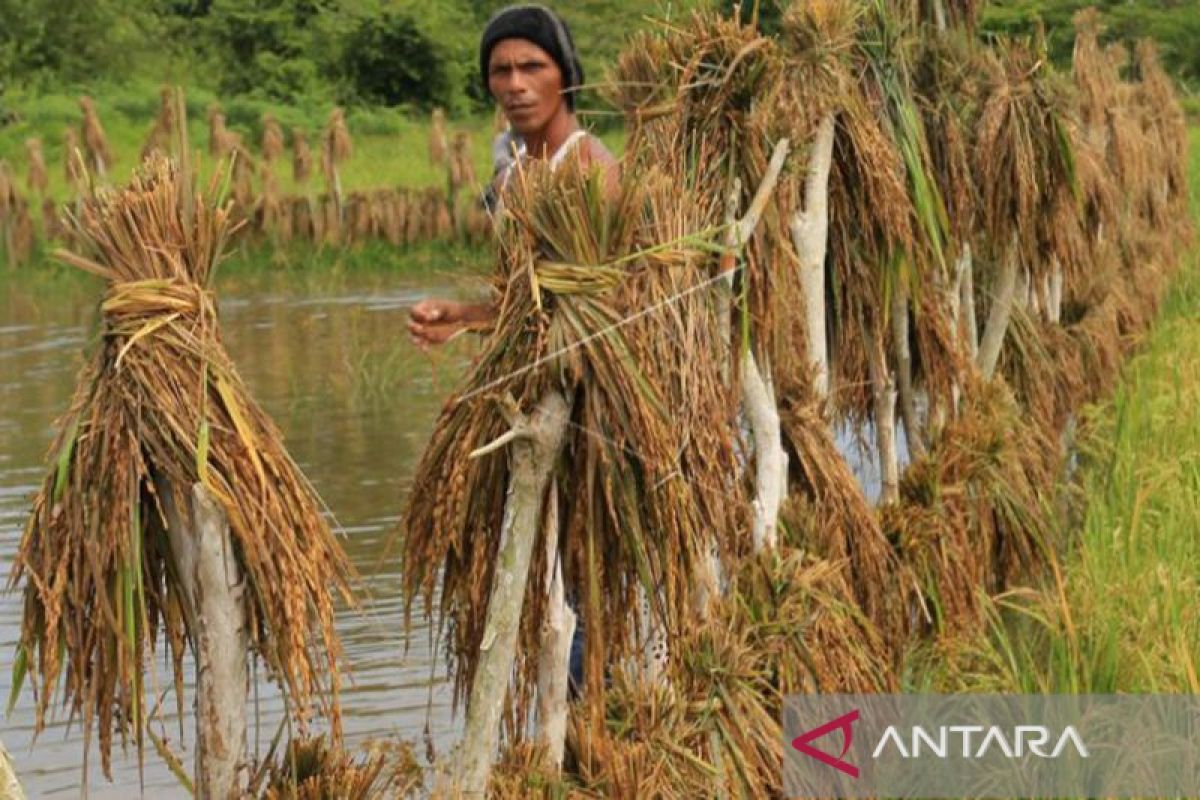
[
  {"x": 92, "y": 133},
  {"x": 438, "y": 146},
  {"x": 160, "y": 409},
  {"x": 162, "y": 132},
  {"x": 648, "y": 468},
  {"x": 788, "y": 625},
  {"x": 272, "y": 138},
  {"x": 36, "y": 180},
  {"x": 313, "y": 769},
  {"x": 74, "y": 165},
  {"x": 302, "y": 162},
  {"x": 975, "y": 511},
  {"x": 221, "y": 140}
]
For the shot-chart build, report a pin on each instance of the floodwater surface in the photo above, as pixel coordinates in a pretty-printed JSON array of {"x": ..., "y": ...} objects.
[{"x": 328, "y": 358}]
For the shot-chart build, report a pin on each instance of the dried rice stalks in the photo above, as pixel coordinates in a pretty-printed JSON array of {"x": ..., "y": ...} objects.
[
  {"x": 53, "y": 228},
  {"x": 74, "y": 166},
  {"x": 94, "y": 140},
  {"x": 975, "y": 512},
  {"x": 302, "y": 162},
  {"x": 36, "y": 180},
  {"x": 272, "y": 138},
  {"x": 221, "y": 140},
  {"x": 438, "y": 145},
  {"x": 462, "y": 167},
  {"x": 161, "y": 402},
  {"x": 312, "y": 769},
  {"x": 788, "y": 625},
  {"x": 649, "y": 469},
  {"x": 162, "y": 133}
]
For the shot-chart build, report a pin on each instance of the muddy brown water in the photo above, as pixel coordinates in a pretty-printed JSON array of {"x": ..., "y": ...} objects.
[{"x": 328, "y": 358}]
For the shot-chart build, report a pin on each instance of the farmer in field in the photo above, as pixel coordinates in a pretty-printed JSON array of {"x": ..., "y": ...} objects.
[{"x": 530, "y": 67}]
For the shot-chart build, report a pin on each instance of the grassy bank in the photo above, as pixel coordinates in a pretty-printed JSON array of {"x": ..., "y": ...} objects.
[
  {"x": 1121, "y": 610},
  {"x": 391, "y": 146}
]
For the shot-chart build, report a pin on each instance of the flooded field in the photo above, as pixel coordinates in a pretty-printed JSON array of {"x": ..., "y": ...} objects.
[{"x": 330, "y": 361}]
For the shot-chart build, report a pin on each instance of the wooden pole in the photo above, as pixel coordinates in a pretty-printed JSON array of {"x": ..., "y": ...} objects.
[
  {"x": 10, "y": 787},
  {"x": 558, "y": 629},
  {"x": 202, "y": 552},
  {"x": 992, "y": 341},
  {"x": 810, "y": 236},
  {"x": 883, "y": 389},
  {"x": 537, "y": 441}
]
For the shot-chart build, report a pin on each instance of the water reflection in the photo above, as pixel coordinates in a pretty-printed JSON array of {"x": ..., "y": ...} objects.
[{"x": 330, "y": 361}]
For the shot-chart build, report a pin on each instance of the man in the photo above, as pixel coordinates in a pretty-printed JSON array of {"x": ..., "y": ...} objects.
[{"x": 530, "y": 67}]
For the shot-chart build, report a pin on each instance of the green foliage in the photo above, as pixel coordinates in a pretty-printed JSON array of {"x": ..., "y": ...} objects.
[
  {"x": 405, "y": 54},
  {"x": 46, "y": 42},
  {"x": 1174, "y": 24}
]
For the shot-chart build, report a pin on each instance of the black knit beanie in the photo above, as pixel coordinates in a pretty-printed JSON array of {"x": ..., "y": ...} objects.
[{"x": 540, "y": 25}]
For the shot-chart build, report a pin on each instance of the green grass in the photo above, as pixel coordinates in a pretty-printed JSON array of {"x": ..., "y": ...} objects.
[{"x": 1121, "y": 610}]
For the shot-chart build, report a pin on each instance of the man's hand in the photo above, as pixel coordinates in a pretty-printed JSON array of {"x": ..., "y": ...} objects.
[{"x": 436, "y": 321}]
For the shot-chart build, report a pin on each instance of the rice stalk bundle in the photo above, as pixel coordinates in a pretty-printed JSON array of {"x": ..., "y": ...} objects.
[
  {"x": 1025, "y": 163},
  {"x": 162, "y": 132},
  {"x": 161, "y": 406},
  {"x": 949, "y": 13},
  {"x": 74, "y": 168},
  {"x": 948, "y": 79},
  {"x": 462, "y": 168},
  {"x": 1095, "y": 76},
  {"x": 272, "y": 138},
  {"x": 443, "y": 227},
  {"x": 413, "y": 218},
  {"x": 36, "y": 179},
  {"x": 302, "y": 162},
  {"x": 1129, "y": 157},
  {"x": 22, "y": 236},
  {"x": 392, "y": 224},
  {"x": 330, "y": 220},
  {"x": 438, "y": 145},
  {"x": 53, "y": 229},
  {"x": 8, "y": 191},
  {"x": 270, "y": 205},
  {"x": 1165, "y": 125},
  {"x": 94, "y": 140},
  {"x": 839, "y": 523},
  {"x": 649, "y": 469},
  {"x": 789, "y": 625},
  {"x": 974, "y": 512},
  {"x": 221, "y": 141},
  {"x": 242, "y": 167},
  {"x": 336, "y": 147},
  {"x": 314, "y": 769},
  {"x": 302, "y": 222}
]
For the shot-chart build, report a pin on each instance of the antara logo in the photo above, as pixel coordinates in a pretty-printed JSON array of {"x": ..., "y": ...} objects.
[
  {"x": 844, "y": 723},
  {"x": 941, "y": 742}
]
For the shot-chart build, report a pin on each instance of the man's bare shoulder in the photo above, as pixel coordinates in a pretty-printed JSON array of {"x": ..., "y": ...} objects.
[{"x": 594, "y": 153}]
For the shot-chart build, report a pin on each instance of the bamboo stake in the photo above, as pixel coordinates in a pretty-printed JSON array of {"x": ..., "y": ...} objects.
[
  {"x": 966, "y": 283},
  {"x": 537, "y": 441},
  {"x": 810, "y": 235},
  {"x": 900, "y": 337},
  {"x": 1054, "y": 301},
  {"x": 10, "y": 787},
  {"x": 883, "y": 389},
  {"x": 758, "y": 400},
  {"x": 202, "y": 551},
  {"x": 992, "y": 340},
  {"x": 558, "y": 629}
]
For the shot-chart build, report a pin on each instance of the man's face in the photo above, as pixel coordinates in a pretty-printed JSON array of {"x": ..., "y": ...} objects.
[{"x": 526, "y": 82}]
